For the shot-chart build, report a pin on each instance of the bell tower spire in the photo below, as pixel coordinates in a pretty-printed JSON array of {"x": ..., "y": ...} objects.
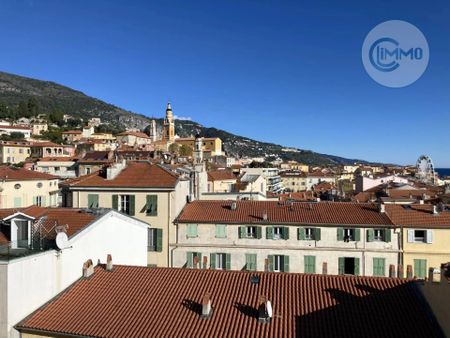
[{"x": 169, "y": 125}]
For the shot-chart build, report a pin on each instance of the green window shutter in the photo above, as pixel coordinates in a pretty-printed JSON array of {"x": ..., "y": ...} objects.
[
  {"x": 17, "y": 202},
  {"x": 317, "y": 234},
  {"x": 242, "y": 231},
  {"x": 310, "y": 264},
  {"x": 213, "y": 260},
  {"x": 286, "y": 263},
  {"x": 340, "y": 234},
  {"x": 151, "y": 205},
  {"x": 356, "y": 266},
  {"x": 43, "y": 199},
  {"x": 132, "y": 205},
  {"x": 192, "y": 230},
  {"x": 250, "y": 262},
  {"x": 370, "y": 235},
  {"x": 228, "y": 261},
  {"x": 341, "y": 265},
  {"x": 387, "y": 235},
  {"x": 92, "y": 201},
  {"x": 285, "y": 232},
  {"x": 270, "y": 261},
  {"x": 115, "y": 202},
  {"x": 34, "y": 200},
  {"x": 301, "y": 234},
  {"x": 258, "y": 232},
  {"x": 420, "y": 268},
  {"x": 190, "y": 259},
  {"x": 269, "y": 232},
  {"x": 159, "y": 240},
  {"x": 221, "y": 231},
  {"x": 379, "y": 266},
  {"x": 357, "y": 235}
]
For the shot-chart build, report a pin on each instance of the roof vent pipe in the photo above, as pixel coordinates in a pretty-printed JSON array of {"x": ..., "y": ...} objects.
[
  {"x": 206, "y": 306},
  {"x": 382, "y": 208},
  {"x": 233, "y": 206},
  {"x": 109, "y": 263}
]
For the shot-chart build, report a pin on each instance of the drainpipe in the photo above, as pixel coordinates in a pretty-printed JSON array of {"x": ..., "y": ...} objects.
[{"x": 169, "y": 262}]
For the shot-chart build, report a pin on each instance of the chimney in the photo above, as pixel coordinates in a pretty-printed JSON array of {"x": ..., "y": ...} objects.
[
  {"x": 233, "y": 205},
  {"x": 109, "y": 263},
  {"x": 264, "y": 216},
  {"x": 435, "y": 210},
  {"x": 382, "y": 208},
  {"x": 205, "y": 262},
  {"x": 264, "y": 310},
  {"x": 195, "y": 262},
  {"x": 324, "y": 268},
  {"x": 400, "y": 271},
  {"x": 392, "y": 271},
  {"x": 206, "y": 306},
  {"x": 88, "y": 268}
]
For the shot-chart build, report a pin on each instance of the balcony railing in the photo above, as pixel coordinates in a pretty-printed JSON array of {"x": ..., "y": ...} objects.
[{"x": 16, "y": 249}]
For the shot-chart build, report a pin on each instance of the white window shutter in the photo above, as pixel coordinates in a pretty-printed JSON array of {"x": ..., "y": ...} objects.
[
  {"x": 429, "y": 236},
  {"x": 410, "y": 236}
]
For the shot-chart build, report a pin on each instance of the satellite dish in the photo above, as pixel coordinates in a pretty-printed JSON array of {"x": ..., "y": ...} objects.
[
  {"x": 62, "y": 241},
  {"x": 269, "y": 309}
]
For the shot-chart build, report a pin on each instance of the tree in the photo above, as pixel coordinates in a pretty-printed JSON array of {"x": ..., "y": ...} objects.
[
  {"x": 174, "y": 149},
  {"x": 33, "y": 107},
  {"x": 185, "y": 150}
]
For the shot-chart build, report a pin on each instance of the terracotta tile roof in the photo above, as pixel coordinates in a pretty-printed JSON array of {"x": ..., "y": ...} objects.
[
  {"x": 72, "y": 132},
  {"x": 134, "y": 133},
  {"x": 136, "y": 174},
  {"x": 418, "y": 215},
  {"x": 294, "y": 196},
  {"x": 57, "y": 159},
  {"x": 45, "y": 144},
  {"x": 248, "y": 212},
  {"x": 166, "y": 302},
  {"x": 15, "y": 143},
  {"x": 15, "y": 127},
  {"x": 19, "y": 174},
  {"x": 220, "y": 175},
  {"x": 75, "y": 219}
]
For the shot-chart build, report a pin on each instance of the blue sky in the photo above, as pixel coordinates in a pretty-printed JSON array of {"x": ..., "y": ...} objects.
[{"x": 288, "y": 72}]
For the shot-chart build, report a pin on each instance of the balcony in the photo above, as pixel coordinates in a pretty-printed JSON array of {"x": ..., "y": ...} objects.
[{"x": 16, "y": 249}]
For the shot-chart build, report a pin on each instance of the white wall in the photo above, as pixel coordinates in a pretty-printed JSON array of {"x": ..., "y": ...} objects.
[{"x": 34, "y": 280}]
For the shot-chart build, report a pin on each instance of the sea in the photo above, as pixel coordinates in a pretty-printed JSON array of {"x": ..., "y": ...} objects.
[{"x": 443, "y": 171}]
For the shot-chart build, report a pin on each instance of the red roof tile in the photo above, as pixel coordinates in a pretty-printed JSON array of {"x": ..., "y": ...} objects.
[
  {"x": 300, "y": 212},
  {"x": 166, "y": 302},
  {"x": 19, "y": 174},
  {"x": 220, "y": 175},
  {"x": 136, "y": 174},
  {"x": 417, "y": 215}
]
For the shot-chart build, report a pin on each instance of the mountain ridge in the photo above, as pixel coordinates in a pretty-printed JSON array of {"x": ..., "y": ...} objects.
[{"x": 51, "y": 96}]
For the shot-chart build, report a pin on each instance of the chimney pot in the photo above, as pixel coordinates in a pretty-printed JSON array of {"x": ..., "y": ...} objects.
[
  {"x": 88, "y": 268},
  {"x": 206, "y": 306},
  {"x": 109, "y": 263},
  {"x": 233, "y": 206},
  {"x": 382, "y": 208}
]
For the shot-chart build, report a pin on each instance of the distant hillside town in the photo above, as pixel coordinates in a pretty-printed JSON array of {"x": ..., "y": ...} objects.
[{"x": 83, "y": 207}]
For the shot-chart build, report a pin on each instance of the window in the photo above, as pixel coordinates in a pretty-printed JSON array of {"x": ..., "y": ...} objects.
[
  {"x": 379, "y": 266},
  {"x": 87, "y": 171},
  {"x": 379, "y": 235},
  {"x": 278, "y": 263},
  {"x": 220, "y": 261},
  {"x": 309, "y": 234},
  {"x": 92, "y": 201},
  {"x": 124, "y": 204},
  {"x": 39, "y": 184},
  {"x": 154, "y": 239},
  {"x": 348, "y": 266},
  {"x": 192, "y": 231},
  {"x": 38, "y": 200},
  {"x": 348, "y": 234},
  {"x": 221, "y": 231},
  {"x": 152, "y": 205},
  {"x": 250, "y": 262},
  {"x": 194, "y": 259},
  {"x": 277, "y": 232},
  {"x": 17, "y": 202},
  {"x": 310, "y": 264},
  {"x": 251, "y": 231},
  {"x": 17, "y": 186},
  {"x": 420, "y": 236},
  {"x": 420, "y": 268}
]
